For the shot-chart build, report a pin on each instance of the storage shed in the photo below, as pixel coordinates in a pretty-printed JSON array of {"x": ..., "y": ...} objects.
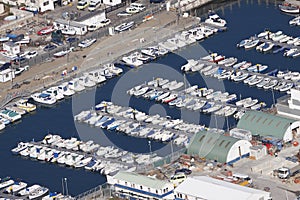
[
  {"x": 6, "y": 75},
  {"x": 204, "y": 187},
  {"x": 81, "y": 29},
  {"x": 265, "y": 124},
  {"x": 214, "y": 146}
]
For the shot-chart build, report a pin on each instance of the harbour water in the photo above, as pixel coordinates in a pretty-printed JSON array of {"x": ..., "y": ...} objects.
[{"x": 245, "y": 18}]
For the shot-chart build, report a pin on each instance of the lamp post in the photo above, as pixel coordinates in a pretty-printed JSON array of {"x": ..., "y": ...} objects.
[{"x": 150, "y": 148}]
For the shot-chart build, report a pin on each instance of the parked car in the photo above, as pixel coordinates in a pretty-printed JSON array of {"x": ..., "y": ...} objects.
[
  {"x": 81, "y": 5},
  {"x": 19, "y": 60},
  {"x": 157, "y": 1},
  {"x": 31, "y": 54},
  {"x": 105, "y": 22},
  {"x": 72, "y": 39},
  {"x": 138, "y": 6},
  {"x": 183, "y": 170},
  {"x": 50, "y": 47},
  {"x": 177, "y": 179}
]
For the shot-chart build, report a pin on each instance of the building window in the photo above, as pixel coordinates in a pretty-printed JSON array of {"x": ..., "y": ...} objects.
[
  {"x": 46, "y": 3},
  {"x": 133, "y": 185},
  {"x": 126, "y": 183},
  {"x": 180, "y": 195},
  {"x": 6, "y": 75},
  {"x": 141, "y": 187},
  {"x": 149, "y": 190},
  {"x": 32, "y": 1},
  {"x": 110, "y": 1},
  {"x": 156, "y": 191}
]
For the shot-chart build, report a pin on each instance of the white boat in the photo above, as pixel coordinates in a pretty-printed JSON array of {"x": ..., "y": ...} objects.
[
  {"x": 74, "y": 85},
  {"x": 96, "y": 77},
  {"x": 65, "y": 90},
  {"x": 287, "y": 87},
  {"x": 87, "y": 43},
  {"x": 68, "y": 31},
  {"x": 16, "y": 110},
  {"x": 287, "y": 8},
  {"x": 263, "y": 82},
  {"x": 25, "y": 105},
  {"x": 295, "y": 21},
  {"x": 6, "y": 183},
  {"x": 132, "y": 60},
  {"x": 28, "y": 190},
  {"x": 162, "y": 96},
  {"x": 243, "y": 43},
  {"x": 54, "y": 92},
  {"x": 176, "y": 42},
  {"x": 62, "y": 53},
  {"x": 241, "y": 77},
  {"x": 271, "y": 84},
  {"x": 83, "y": 162},
  {"x": 43, "y": 98},
  {"x": 251, "y": 44},
  {"x": 215, "y": 20},
  {"x": 17, "y": 186},
  {"x": 250, "y": 102},
  {"x": 10, "y": 115},
  {"x": 189, "y": 65},
  {"x": 242, "y": 101},
  {"x": 38, "y": 193},
  {"x": 195, "y": 34},
  {"x": 124, "y": 26},
  {"x": 113, "y": 69},
  {"x": 21, "y": 146},
  {"x": 85, "y": 81},
  {"x": 290, "y": 52},
  {"x": 141, "y": 91},
  {"x": 255, "y": 81}
]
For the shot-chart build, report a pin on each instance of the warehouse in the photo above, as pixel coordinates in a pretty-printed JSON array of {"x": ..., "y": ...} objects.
[
  {"x": 204, "y": 187},
  {"x": 265, "y": 124},
  {"x": 215, "y": 146}
]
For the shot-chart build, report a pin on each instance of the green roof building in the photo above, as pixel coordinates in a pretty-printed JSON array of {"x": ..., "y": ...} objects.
[
  {"x": 265, "y": 124},
  {"x": 215, "y": 146},
  {"x": 137, "y": 186}
]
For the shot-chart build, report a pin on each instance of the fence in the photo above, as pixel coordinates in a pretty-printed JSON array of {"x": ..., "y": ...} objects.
[{"x": 100, "y": 192}]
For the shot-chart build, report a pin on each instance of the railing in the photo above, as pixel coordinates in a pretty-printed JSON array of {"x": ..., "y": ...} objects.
[
  {"x": 103, "y": 191},
  {"x": 13, "y": 95}
]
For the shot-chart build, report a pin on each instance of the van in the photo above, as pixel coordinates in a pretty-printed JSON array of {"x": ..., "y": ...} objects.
[
  {"x": 138, "y": 6},
  {"x": 81, "y": 5},
  {"x": 177, "y": 179},
  {"x": 94, "y": 5},
  {"x": 242, "y": 177}
]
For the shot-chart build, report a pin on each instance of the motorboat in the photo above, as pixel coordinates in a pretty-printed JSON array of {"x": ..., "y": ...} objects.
[
  {"x": 86, "y": 82},
  {"x": 38, "y": 193},
  {"x": 258, "y": 106},
  {"x": 263, "y": 82},
  {"x": 228, "y": 61},
  {"x": 87, "y": 43},
  {"x": 278, "y": 36},
  {"x": 113, "y": 69},
  {"x": 288, "y": 8},
  {"x": 25, "y": 105},
  {"x": 190, "y": 63},
  {"x": 176, "y": 42},
  {"x": 280, "y": 85},
  {"x": 250, "y": 102},
  {"x": 238, "y": 65},
  {"x": 124, "y": 26},
  {"x": 10, "y": 115},
  {"x": 289, "y": 53},
  {"x": 245, "y": 66},
  {"x": 68, "y": 31},
  {"x": 62, "y": 53},
  {"x": 16, "y": 110},
  {"x": 96, "y": 77},
  {"x": 195, "y": 34},
  {"x": 185, "y": 37},
  {"x": 257, "y": 68},
  {"x": 271, "y": 84},
  {"x": 6, "y": 182},
  {"x": 43, "y": 98},
  {"x": 265, "y": 47},
  {"x": 141, "y": 91},
  {"x": 55, "y": 93},
  {"x": 295, "y": 21},
  {"x": 17, "y": 186},
  {"x": 255, "y": 81},
  {"x": 287, "y": 87},
  {"x": 168, "y": 46},
  {"x": 20, "y": 147},
  {"x": 65, "y": 90},
  {"x": 241, "y": 77},
  {"x": 251, "y": 44},
  {"x": 132, "y": 60},
  {"x": 74, "y": 85},
  {"x": 170, "y": 98},
  {"x": 243, "y": 43},
  {"x": 205, "y": 31},
  {"x": 215, "y": 20},
  {"x": 243, "y": 101},
  {"x": 27, "y": 190}
]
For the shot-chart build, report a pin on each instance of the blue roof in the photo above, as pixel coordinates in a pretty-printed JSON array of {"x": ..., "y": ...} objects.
[{"x": 43, "y": 95}]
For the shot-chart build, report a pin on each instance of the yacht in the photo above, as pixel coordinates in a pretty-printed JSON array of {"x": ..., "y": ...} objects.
[
  {"x": 74, "y": 85},
  {"x": 25, "y": 105},
  {"x": 54, "y": 92},
  {"x": 5, "y": 183},
  {"x": 215, "y": 20},
  {"x": 264, "y": 82},
  {"x": 251, "y": 44},
  {"x": 132, "y": 60},
  {"x": 249, "y": 103},
  {"x": 10, "y": 115},
  {"x": 85, "y": 81},
  {"x": 38, "y": 193},
  {"x": 96, "y": 77},
  {"x": 255, "y": 81},
  {"x": 16, "y": 187},
  {"x": 27, "y": 190},
  {"x": 243, "y": 101},
  {"x": 21, "y": 146},
  {"x": 271, "y": 84},
  {"x": 65, "y": 90},
  {"x": 176, "y": 42},
  {"x": 43, "y": 98},
  {"x": 295, "y": 21},
  {"x": 243, "y": 43}
]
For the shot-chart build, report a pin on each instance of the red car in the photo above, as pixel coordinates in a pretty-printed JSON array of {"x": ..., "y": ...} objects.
[{"x": 46, "y": 30}]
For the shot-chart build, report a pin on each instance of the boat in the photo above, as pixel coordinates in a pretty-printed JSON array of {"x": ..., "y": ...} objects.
[
  {"x": 242, "y": 101},
  {"x": 280, "y": 85},
  {"x": 62, "y": 53},
  {"x": 87, "y": 43},
  {"x": 16, "y": 110},
  {"x": 96, "y": 77},
  {"x": 251, "y": 44},
  {"x": 258, "y": 68},
  {"x": 251, "y": 78},
  {"x": 65, "y": 90},
  {"x": 124, "y": 26},
  {"x": 287, "y": 87},
  {"x": 6, "y": 182},
  {"x": 43, "y": 98},
  {"x": 245, "y": 66},
  {"x": 17, "y": 186},
  {"x": 243, "y": 43},
  {"x": 215, "y": 20},
  {"x": 170, "y": 98},
  {"x": 10, "y": 115},
  {"x": 68, "y": 31},
  {"x": 25, "y": 105},
  {"x": 176, "y": 42},
  {"x": 288, "y": 8},
  {"x": 27, "y": 190},
  {"x": 241, "y": 77},
  {"x": 132, "y": 60},
  {"x": 38, "y": 193},
  {"x": 290, "y": 52},
  {"x": 271, "y": 84},
  {"x": 74, "y": 85},
  {"x": 266, "y": 47},
  {"x": 21, "y": 146},
  {"x": 255, "y": 81},
  {"x": 85, "y": 81},
  {"x": 54, "y": 92},
  {"x": 228, "y": 62},
  {"x": 263, "y": 82},
  {"x": 190, "y": 63},
  {"x": 46, "y": 30},
  {"x": 250, "y": 102},
  {"x": 295, "y": 21},
  {"x": 162, "y": 96}
]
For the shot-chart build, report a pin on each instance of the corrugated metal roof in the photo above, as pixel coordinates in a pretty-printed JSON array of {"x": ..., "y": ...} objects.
[
  {"x": 211, "y": 145},
  {"x": 205, "y": 187},
  {"x": 264, "y": 124},
  {"x": 138, "y": 179}
]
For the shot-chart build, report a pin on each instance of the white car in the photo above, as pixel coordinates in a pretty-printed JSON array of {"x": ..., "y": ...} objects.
[
  {"x": 31, "y": 54},
  {"x": 104, "y": 22},
  {"x": 138, "y": 6}
]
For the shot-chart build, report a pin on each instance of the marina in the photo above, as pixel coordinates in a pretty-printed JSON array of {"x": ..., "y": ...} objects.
[{"x": 60, "y": 118}]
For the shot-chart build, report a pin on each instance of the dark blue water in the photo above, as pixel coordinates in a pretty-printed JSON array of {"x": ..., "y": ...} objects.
[{"x": 244, "y": 20}]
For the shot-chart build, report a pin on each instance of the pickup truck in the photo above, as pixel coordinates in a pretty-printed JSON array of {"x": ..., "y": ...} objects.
[{"x": 285, "y": 172}]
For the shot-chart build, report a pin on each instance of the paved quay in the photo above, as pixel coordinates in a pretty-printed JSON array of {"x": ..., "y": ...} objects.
[{"x": 108, "y": 49}]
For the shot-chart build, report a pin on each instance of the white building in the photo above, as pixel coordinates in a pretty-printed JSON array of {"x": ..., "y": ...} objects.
[
  {"x": 41, "y": 5},
  {"x": 290, "y": 107},
  {"x": 11, "y": 48},
  {"x": 136, "y": 186},
  {"x": 6, "y": 75},
  {"x": 81, "y": 29},
  {"x": 204, "y": 187}
]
